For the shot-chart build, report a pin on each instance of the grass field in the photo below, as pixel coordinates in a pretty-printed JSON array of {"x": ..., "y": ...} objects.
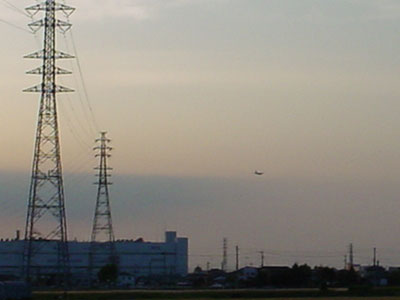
[
  {"x": 344, "y": 294},
  {"x": 92, "y": 297},
  {"x": 334, "y": 298}
]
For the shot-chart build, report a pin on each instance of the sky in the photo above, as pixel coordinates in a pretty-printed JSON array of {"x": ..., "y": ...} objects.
[{"x": 196, "y": 95}]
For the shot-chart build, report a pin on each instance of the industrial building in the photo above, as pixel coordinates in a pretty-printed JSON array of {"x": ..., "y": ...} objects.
[{"x": 137, "y": 258}]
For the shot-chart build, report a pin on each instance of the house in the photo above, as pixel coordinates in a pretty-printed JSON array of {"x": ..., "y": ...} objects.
[
  {"x": 247, "y": 273},
  {"x": 125, "y": 280}
]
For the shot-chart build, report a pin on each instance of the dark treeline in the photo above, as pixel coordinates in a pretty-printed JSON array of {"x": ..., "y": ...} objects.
[
  {"x": 297, "y": 276},
  {"x": 304, "y": 276}
]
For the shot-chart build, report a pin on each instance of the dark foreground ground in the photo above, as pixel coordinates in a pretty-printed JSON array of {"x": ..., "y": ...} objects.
[{"x": 355, "y": 293}]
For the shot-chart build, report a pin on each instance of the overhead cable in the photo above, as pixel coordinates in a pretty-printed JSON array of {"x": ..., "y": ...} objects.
[
  {"x": 88, "y": 115},
  {"x": 83, "y": 81},
  {"x": 11, "y": 6},
  {"x": 15, "y": 26}
]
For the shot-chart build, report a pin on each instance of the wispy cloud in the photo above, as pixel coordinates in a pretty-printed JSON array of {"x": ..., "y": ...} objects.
[
  {"x": 140, "y": 10},
  {"x": 348, "y": 11},
  {"x": 137, "y": 9},
  {"x": 389, "y": 9},
  {"x": 99, "y": 9}
]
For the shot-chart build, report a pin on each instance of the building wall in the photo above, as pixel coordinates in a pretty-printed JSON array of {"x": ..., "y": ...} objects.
[{"x": 137, "y": 258}]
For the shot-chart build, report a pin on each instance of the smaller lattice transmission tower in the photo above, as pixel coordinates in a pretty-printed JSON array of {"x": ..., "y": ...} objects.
[{"x": 102, "y": 247}]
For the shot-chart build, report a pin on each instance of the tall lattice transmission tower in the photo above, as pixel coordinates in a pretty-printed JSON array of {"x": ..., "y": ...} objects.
[
  {"x": 102, "y": 247},
  {"x": 46, "y": 226}
]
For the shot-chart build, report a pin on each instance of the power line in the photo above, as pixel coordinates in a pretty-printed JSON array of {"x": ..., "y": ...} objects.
[
  {"x": 11, "y": 6},
  {"x": 89, "y": 134},
  {"x": 15, "y": 26},
  {"x": 83, "y": 81},
  {"x": 81, "y": 141},
  {"x": 89, "y": 116},
  {"x": 81, "y": 162}
]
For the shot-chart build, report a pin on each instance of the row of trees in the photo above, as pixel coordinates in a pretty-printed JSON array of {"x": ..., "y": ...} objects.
[
  {"x": 281, "y": 277},
  {"x": 301, "y": 276},
  {"x": 305, "y": 276}
]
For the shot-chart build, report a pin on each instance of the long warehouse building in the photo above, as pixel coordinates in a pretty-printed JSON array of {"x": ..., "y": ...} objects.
[{"x": 136, "y": 258}]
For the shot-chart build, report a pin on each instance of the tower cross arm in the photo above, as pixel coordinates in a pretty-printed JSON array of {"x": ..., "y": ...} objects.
[
  {"x": 103, "y": 139},
  {"x": 62, "y": 25},
  {"x": 43, "y": 89},
  {"x": 41, "y": 54},
  {"x": 39, "y": 71},
  {"x": 103, "y": 147},
  {"x": 34, "y": 9}
]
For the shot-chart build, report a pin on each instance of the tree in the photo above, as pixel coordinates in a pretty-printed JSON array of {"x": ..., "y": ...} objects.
[
  {"x": 108, "y": 274},
  {"x": 324, "y": 276},
  {"x": 394, "y": 277},
  {"x": 300, "y": 275},
  {"x": 348, "y": 277}
]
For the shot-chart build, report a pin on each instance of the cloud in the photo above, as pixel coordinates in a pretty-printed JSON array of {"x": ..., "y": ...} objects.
[
  {"x": 141, "y": 10},
  {"x": 350, "y": 11},
  {"x": 138, "y": 10},
  {"x": 99, "y": 9},
  {"x": 284, "y": 215},
  {"x": 388, "y": 9}
]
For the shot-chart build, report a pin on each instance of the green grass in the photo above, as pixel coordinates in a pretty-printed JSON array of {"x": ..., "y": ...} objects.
[
  {"x": 132, "y": 297},
  {"x": 354, "y": 294}
]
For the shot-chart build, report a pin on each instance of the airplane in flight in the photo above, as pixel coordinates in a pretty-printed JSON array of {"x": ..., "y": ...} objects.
[{"x": 259, "y": 173}]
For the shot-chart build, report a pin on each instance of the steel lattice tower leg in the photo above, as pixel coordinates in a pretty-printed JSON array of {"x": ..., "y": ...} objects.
[
  {"x": 46, "y": 226},
  {"x": 102, "y": 247}
]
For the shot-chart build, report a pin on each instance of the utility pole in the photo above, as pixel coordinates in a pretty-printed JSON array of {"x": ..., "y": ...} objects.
[
  {"x": 224, "y": 264},
  {"x": 102, "y": 246},
  {"x": 374, "y": 260},
  {"x": 46, "y": 225},
  {"x": 262, "y": 259},
  {"x": 237, "y": 258},
  {"x": 345, "y": 262},
  {"x": 351, "y": 256}
]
